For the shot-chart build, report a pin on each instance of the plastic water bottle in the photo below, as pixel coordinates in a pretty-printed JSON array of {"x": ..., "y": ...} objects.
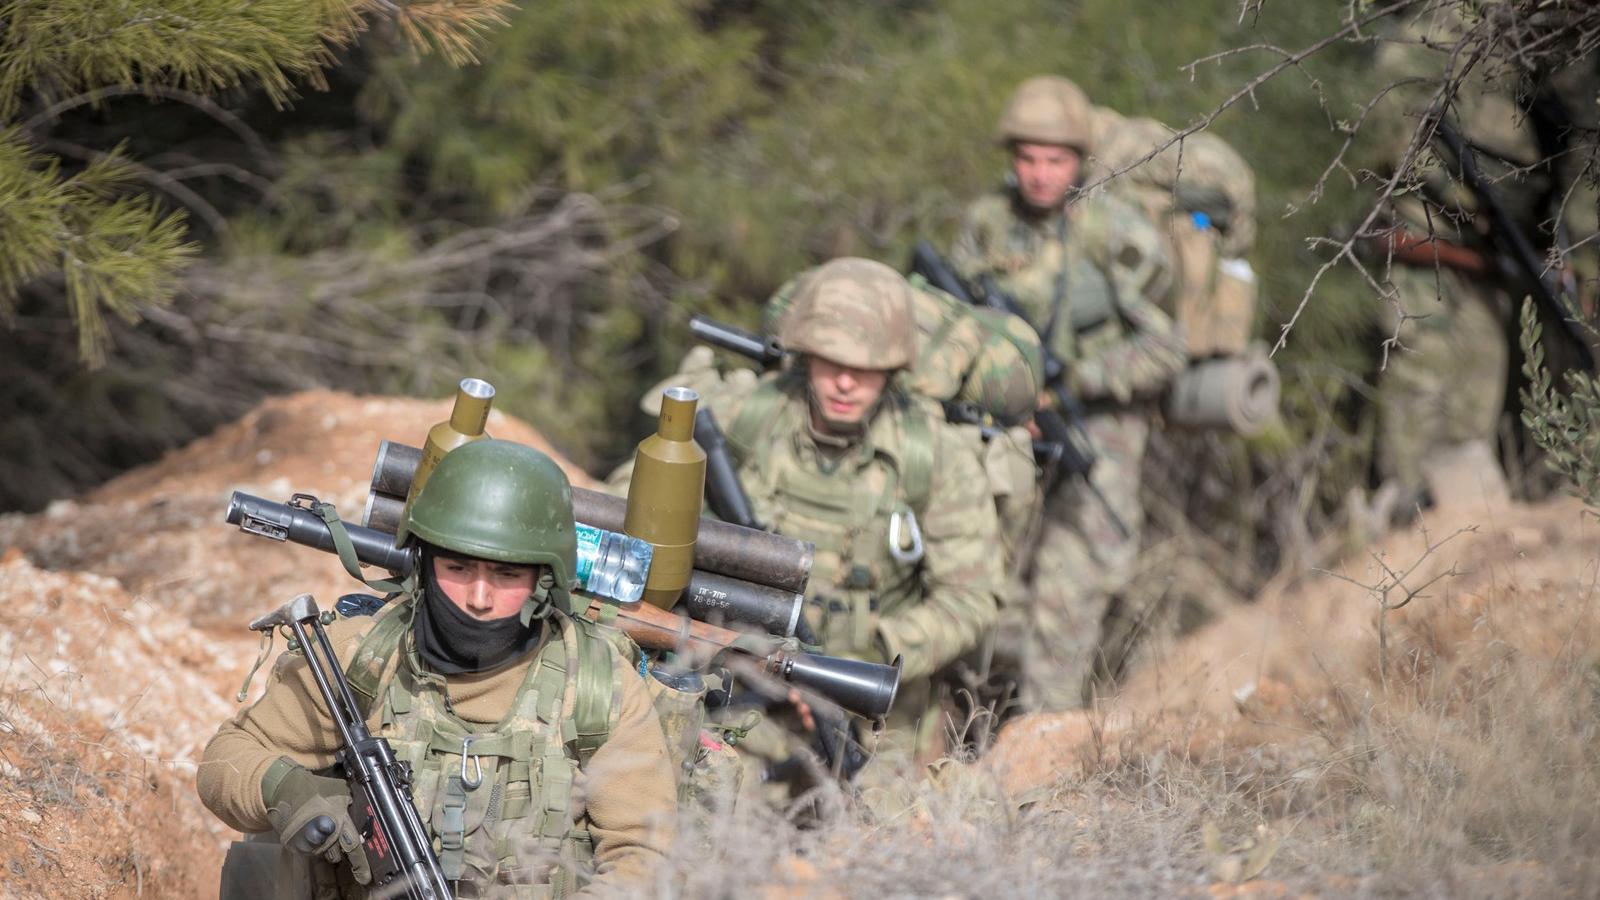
[{"x": 611, "y": 564}]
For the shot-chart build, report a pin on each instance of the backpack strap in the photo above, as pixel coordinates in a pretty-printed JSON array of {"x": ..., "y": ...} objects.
[
  {"x": 916, "y": 456},
  {"x": 756, "y": 416},
  {"x": 591, "y": 677},
  {"x": 377, "y": 649}
]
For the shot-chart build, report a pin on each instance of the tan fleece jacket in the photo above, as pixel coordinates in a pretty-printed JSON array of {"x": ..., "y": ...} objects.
[{"x": 627, "y": 786}]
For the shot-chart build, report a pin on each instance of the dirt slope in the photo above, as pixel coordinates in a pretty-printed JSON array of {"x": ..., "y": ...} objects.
[
  {"x": 122, "y": 639},
  {"x": 1271, "y": 674}
]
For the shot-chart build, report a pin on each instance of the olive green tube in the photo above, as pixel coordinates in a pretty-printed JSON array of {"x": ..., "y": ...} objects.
[
  {"x": 723, "y": 548},
  {"x": 664, "y": 498},
  {"x": 468, "y": 417}
]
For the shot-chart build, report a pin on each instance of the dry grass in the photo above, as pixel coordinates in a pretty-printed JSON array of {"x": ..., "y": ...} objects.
[{"x": 1467, "y": 767}]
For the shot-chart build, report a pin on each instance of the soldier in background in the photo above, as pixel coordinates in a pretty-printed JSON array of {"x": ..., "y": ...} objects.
[
  {"x": 1089, "y": 272},
  {"x": 1442, "y": 389},
  {"x": 832, "y": 449}
]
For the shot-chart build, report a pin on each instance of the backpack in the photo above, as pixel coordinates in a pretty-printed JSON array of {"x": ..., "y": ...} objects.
[{"x": 1201, "y": 194}]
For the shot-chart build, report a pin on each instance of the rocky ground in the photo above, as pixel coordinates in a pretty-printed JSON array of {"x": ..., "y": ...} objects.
[{"x": 1310, "y": 743}]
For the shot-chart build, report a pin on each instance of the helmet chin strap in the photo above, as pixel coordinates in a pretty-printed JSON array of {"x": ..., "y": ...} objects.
[{"x": 539, "y": 604}]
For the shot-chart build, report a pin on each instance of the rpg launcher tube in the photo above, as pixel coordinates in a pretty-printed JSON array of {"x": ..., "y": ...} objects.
[
  {"x": 665, "y": 496},
  {"x": 613, "y": 575},
  {"x": 299, "y": 525},
  {"x": 468, "y": 418},
  {"x": 722, "y": 547},
  {"x": 761, "y": 350},
  {"x": 866, "y": 688},
  {"x": 721, "y": 600},
  {"x": 725, "y": 493}
]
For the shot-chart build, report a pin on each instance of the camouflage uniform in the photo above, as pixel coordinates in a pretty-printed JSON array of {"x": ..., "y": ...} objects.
[
  {"x": 866, "y": 600},
  {"x": 1445, "y": 385},
  {"x": 1104, "y": 260},
  {"x": 572, "y": 775}
]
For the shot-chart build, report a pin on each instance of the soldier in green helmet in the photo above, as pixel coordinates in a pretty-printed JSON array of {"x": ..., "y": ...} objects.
[
  {"x": 1089, "y": 272},
  {"x": 834, "y": 450},
  {"x": 502, "y": 701}
]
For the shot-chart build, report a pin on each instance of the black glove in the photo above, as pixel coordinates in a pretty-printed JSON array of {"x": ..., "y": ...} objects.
[
  {"x": 837, "y": 745},
  {"x": 311, "y": 814}
]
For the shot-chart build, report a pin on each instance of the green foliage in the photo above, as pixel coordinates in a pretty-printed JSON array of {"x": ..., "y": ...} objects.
[
  {"x": 1565, "y": 426},
  {"x": 113, "y": 252},
  {"x": 585, "y": 94},
  {"x": 113, "y": 248}
]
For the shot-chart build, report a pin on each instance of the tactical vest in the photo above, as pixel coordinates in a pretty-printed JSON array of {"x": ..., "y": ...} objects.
[
  {"x": 497, "y": 800},
  {"x": 846, "y": 514},
  {"x": 1059, "y": 282}
]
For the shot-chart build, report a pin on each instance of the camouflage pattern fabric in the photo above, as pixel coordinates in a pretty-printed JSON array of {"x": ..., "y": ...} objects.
[
  {"x": 861, "y": 601},
  {"x": 1200, "y": 173},
  {"x": 1110, "y": 330},
  {"x": 1081, "y": 561},
  {"x": 1119, "y": 348},
  {"x": 1447, "y": 386}
]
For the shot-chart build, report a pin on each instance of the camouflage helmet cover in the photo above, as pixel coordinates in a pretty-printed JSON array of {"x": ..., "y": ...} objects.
[
  {"x": 854, "y": 312},
  {"x": 503, "y": 501},
  {"x": 1048, "y": 109}
]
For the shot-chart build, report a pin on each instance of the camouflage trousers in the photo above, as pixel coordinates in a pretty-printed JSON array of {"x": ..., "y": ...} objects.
[
  {"x": 1447, "y": 387},
  {"x": 1081, "y": 560}
]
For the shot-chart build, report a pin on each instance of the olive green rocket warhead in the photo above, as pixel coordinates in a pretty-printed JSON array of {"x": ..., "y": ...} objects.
[
  {"x": 665, "y": 496},
  {"x": 468, "y": 419},
  {"x": 503, "y": 501}
]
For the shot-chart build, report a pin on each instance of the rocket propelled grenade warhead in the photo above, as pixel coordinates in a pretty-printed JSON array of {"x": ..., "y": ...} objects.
[
  {"x": 721, "y": 547},
  {"x": 665, "y": 496},
  {"x": 468, "y": 419}
]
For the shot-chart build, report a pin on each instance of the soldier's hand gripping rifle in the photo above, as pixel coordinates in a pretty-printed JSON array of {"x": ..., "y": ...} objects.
[
  {"x": 867, "y": 689},
  {"x": 398, "y": 849},
  {"x": 1064, "y": 449}
]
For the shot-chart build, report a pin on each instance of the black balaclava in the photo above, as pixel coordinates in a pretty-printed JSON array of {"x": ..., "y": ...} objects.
[{"x": 452, "y": 642}]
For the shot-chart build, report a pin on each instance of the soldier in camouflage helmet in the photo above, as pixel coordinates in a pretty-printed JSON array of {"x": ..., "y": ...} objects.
[
  {"x": 480, "y": 667},
  {"x": 833, "y": 450},
  {"x": 1089, "y": 272}
]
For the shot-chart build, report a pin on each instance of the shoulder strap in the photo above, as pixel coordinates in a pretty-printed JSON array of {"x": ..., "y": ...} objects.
[
  {"x": 756, "y": 417},
  {"x": 382, "y": 642},
  {"x": 592, "y": 677},
  {"x": 916, "y": 456}
]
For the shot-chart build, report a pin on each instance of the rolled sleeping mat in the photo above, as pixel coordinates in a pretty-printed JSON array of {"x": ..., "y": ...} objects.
[
  {"x": 721, "y": 547},
  {"x": 1238, "y": 393}
]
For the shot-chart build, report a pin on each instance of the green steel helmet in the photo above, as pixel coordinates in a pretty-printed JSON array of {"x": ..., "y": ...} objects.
[
  {"x": 854, "y": 312},
  {"x": 503, "y": 501}
]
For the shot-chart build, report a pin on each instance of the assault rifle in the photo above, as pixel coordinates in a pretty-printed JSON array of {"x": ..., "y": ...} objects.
[
  {"x": 1508, "y": 236},
  {"x": 397, "y": 847},
  {"x": 1065, "y": 450}
]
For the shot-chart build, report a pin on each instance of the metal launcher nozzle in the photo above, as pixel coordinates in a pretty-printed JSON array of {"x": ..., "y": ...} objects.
[{"x": 664, "y": 498}]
